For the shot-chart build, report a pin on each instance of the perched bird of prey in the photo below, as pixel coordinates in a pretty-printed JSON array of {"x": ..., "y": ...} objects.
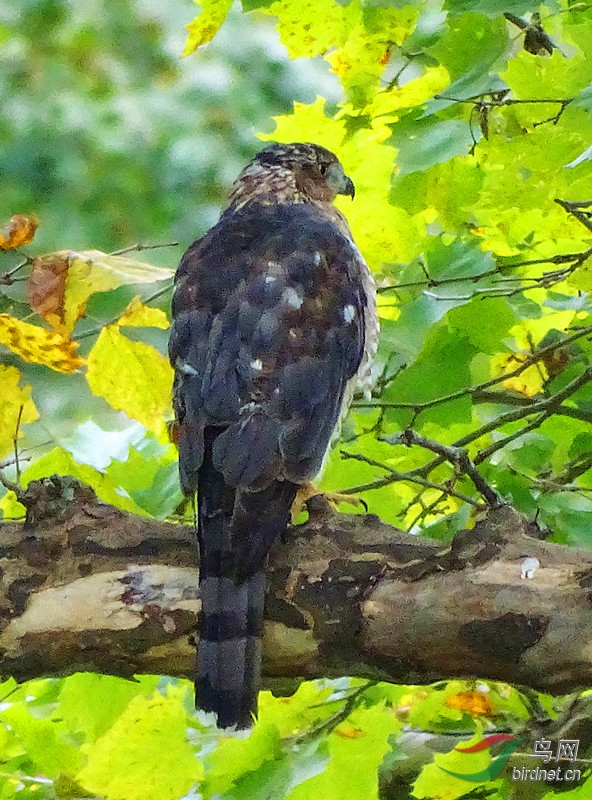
[{"x": 274, "y": 328}]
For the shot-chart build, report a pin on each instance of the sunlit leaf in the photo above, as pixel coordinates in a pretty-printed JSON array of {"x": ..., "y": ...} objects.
[
  {"x": 372, "y": 36},
  {"x": 91, "y": 271},
  {"x": 205, "y": 26},
  {"x": 38, "y": 346},
  {"x": 310, "y": 27},
  {"x": 145, "y": 754},
  {"x": 139, "y": 315},
  {"x": 132, "y": 377},
  {"x": 16, "y": 407},
  {"x": 234, "y": 757},
  {"x": 50, "y": 753},
  {"x": 357, "y": 748}
]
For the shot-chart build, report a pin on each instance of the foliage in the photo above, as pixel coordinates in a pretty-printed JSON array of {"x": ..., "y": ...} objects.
[
  {"x": 467, "y": 135},
  {"x": 97, "y": 736}
]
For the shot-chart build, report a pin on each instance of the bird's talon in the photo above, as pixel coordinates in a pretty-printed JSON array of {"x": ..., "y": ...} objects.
[{"x": 307, "y": 491}]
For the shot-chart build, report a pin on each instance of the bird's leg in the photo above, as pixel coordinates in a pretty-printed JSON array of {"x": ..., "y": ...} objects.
[{"x": 308, "y": 490}]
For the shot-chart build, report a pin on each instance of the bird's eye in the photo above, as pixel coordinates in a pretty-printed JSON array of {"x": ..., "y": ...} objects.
[{"x": 323, "y": 169}]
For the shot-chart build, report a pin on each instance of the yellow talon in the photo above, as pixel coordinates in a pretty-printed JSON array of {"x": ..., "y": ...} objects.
[{"x": 308, "y": 490}]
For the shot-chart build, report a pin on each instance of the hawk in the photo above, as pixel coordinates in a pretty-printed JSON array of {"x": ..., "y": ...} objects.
[{"x": 274, "y": 329}]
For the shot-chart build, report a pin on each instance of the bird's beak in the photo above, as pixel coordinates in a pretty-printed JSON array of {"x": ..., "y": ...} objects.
[
  {"x": 339, "y": 182},
  {"x": 348, "y": 187}
]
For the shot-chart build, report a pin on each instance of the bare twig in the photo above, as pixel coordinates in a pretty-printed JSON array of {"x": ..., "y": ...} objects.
[
  {"x": 8, "y": 280},
  {"x": 530, "y": 359},
  {"x": 96, "y": 330},
  {"x": 15, "y": 445},
  {"x": 394, "y": 476},
  {"x": 575, "y": 209},
  {"x": 139, "y": 246},
  {"x": 456, "y": 455}
]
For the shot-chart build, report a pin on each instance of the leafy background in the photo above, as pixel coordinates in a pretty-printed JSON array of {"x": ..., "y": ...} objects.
[{"x": 461, "y": 130}]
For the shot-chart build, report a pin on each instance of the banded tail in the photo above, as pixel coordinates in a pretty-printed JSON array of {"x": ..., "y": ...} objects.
[{"x": 236, "y": 529}]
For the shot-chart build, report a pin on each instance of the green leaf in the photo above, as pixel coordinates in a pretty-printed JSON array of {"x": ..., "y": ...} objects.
[
  {"x": 492, "y": 8},
  {"x": 485, "y": 321},
  {"x": 90, "y": 704},
  {"x": 421, "y": 143},
  {"x": 552, "y": 77},
  {"x": 61, "y": 462},
  {"x": 145, "y": 754},
  {"x": 449, "y": 357},
  {"x": 307, "y": 706},
  {"x": 454, "y": 259},
  {"x": 357, "y": 748},
  {"x": 150, "y": 476},
  {"x": 48, "y": 749},
  {"x": 233, "y": 758},
  {"x": 472, "y": 43},
  {"x": 296, "y": 766},
  {"x": 566, "y": 514}
]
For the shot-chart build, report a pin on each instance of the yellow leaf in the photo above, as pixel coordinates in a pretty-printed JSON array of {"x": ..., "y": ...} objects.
[
  {"x": 60, "y": 283},
  {"x": 91, "y": 271},
  {"x": 360, "y": 62},
  {"x": 410, "y": 94},
  {"x": 309, "y": 28},
  {"x": 530, "y": 382},
  {"x": 205, "y": 26},
  {"x": 12, "y": 399},
  {"x": 19, "y": 230},
  {"x": 349, "y": 732},
  {"x": 145, "y": 755},
  {"x": 140, "y": 316},
  {"x": 475, "y": 703},
  {"x": 38, "y": 346},
  {"x": 132, "y": 377}
]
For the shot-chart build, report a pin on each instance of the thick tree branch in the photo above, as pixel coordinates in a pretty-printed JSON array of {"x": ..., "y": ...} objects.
[{"x": 87, "y": 587}]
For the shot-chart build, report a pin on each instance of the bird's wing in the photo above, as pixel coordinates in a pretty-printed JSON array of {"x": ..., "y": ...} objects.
[{"x": 268, "y": 329}]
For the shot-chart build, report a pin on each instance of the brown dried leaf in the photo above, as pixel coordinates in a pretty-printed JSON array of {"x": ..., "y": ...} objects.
[
  {"x": 19, "y": 230},
  {"x": 47, "y": 287}
]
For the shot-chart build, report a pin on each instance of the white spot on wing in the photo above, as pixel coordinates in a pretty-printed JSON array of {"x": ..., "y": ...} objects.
[
  {"x": 317, "y": 258},
  {"x": 291, "y": 298},
  {"x": 349, "y": 313},
  {"x": 257, "y": 365},
  {"x": 270, "y": 279},
  {"x": 185, "y": 368}
]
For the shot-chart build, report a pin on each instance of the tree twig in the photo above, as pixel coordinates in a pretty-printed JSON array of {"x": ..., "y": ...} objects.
[{"x": 456, "y": 455}]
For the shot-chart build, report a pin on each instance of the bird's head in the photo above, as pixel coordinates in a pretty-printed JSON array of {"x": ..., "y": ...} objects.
[{"x": 297, "y": 172}]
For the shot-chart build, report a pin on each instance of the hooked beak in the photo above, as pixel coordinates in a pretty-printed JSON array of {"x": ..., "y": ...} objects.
[
  {"x": 348, "y": 187},
  {"x": 339, "y": 182}
]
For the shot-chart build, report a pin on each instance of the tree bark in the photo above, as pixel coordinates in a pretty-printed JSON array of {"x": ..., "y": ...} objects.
[{"x": 85, "y": 586}]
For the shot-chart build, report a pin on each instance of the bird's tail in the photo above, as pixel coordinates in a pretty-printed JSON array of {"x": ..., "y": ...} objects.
[{"x": 236, "y": 530}]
